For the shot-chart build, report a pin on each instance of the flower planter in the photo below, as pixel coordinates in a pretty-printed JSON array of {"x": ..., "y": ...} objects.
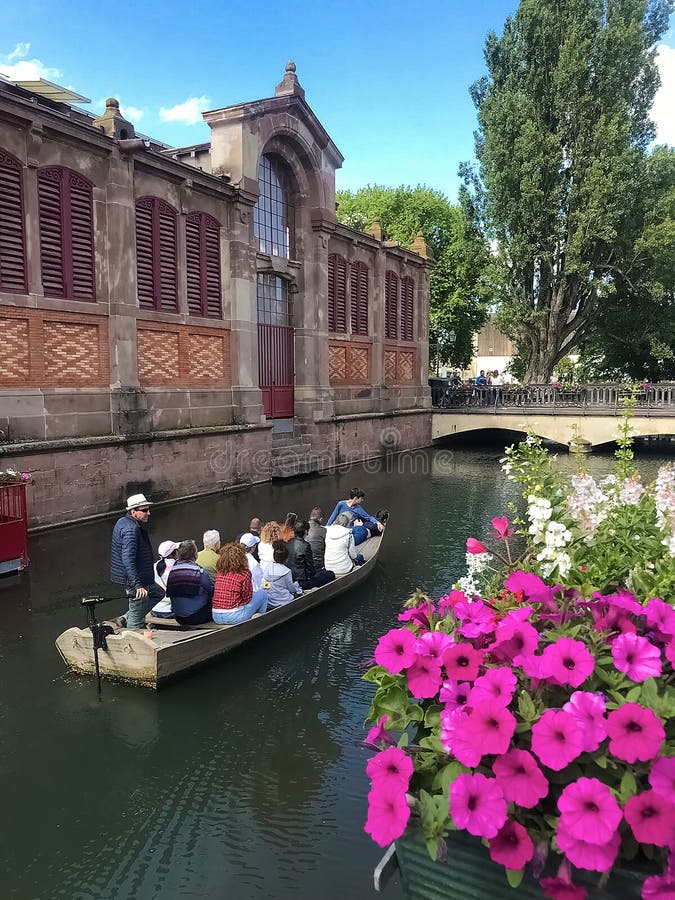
[{"x": 468, "y": 873}]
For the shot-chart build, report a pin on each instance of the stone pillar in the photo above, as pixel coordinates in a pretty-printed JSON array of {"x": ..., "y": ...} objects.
[
  {"x": 30, "y": 195},
  {"x": 422, "y": 313}
]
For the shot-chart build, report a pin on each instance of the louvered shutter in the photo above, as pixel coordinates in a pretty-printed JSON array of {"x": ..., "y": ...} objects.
[
  {"x": 50, "y": 206},
  {"x": 144, "y": 254},
  {"x": 12, "y": 240},
  {"x": 331, "y": 292},
  {"x": 407, "y": 306},
  {"x": 212, "y": 264},
  {"x": 391, "y": 306},
  {"x": 168, "y": 258},
  {"x": 359, "y": 298},
  {"x": 341, "y": 295},
  {"x": 80, "y": 268},
  {"x": 193, "y": 264}
]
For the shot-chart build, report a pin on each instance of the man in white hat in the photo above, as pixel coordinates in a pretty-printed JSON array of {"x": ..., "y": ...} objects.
[{"x": 132, "y": 559}]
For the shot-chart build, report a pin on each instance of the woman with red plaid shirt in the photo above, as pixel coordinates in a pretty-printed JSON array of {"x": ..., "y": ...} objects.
[{"x": 234, "y": 599}]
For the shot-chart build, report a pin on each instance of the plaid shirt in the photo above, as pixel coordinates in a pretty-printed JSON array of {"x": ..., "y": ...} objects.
[{"x": 232, "y": 590}]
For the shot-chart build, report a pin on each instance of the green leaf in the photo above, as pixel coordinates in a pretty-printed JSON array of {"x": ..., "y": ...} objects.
[
  {"x": 432, "y": 717},
  {"x": 445, "y": 776},
  {"x": 600, "y": 760},
  {"x": 526, "y": 707},
  {"x": 514, "y": 877},
  {"x": 628, "y": 787},
  {"x": 404, "y": 740},
  {"x": 649, "y": 694},
  {"x": 633, "y": 694},
  {"x": 432, "y": 847}
]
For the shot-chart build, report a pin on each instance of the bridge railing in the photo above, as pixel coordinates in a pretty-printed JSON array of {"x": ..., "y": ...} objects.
[{"x": 551, "y": 397}]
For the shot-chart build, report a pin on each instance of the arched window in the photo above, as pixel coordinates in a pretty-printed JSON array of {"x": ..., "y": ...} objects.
[
  {"x": 12, "y": 233},
  {"x": 156, "y": 255},
  {"x": 407, "y": 308},
  {"x": 337, "y": 293},
  {"x": 274, "y": 214},
  {"x": 391, "y": 306},
  {"x": 359, "y": 297},
  {"x": 66, "y": 212},
  {"x": 202, "y": 263}
]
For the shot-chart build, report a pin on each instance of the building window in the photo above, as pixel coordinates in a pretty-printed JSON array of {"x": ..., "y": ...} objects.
[
  {"x": 274, "y": 214},
  {"x": 12, "y": 234},
  {"x": 66, "y": 213},
  {"x": 337, "y": 293},
  {"x": 274, "y": 303},
  {"x": 359, "y": 297},
  {"x": 391, "y": 306},
  {"x": 407, "y": 308},
  {"x": 202, "y": 262},
  {"x": 156, "y": 255}
]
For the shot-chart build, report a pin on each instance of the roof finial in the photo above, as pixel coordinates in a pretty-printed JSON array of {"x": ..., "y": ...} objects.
[{"x": 289, "y": 84}]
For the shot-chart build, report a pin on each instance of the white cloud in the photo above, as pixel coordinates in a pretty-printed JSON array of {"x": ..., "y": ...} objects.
[
  {"x": 188, "y": 113},
  {"x": 16, "y": 67},
  {"x": 663, "y": 110}
]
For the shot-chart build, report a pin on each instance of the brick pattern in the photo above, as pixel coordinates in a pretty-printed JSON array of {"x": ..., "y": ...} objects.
[
  {"x": 183, "y": 356},
  {"x": 349, "y": 363},
  {"x": 399, "y": 365},
  {"x": 43, "y": 349}
]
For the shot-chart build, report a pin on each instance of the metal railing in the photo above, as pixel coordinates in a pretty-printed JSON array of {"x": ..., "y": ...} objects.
[{"x": 600, "y": 398}]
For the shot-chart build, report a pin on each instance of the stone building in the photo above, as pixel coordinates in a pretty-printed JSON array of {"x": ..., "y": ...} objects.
[{"x": 181, "y": 320}]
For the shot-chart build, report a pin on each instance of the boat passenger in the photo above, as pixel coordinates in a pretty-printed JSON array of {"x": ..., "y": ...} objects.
[
  {"x": 316, "y": 537},
  {"x": 282, "y": 588},
  {"x": 131, "y": 561},
  {"x": 189, "y": 587},
  {"x": 354, "y": 510},
  {"x": 208, "y": 557},
  {"x": 288, "y": 528},
  {"x": 360, "y": 531},
  {"x": 234, "y": 600},
  {"x": 254, "y": 529},
  {"x": 341, "y": 553},
  {"x": 271, "y": 532},
  {"x": 167, "y": 558},
  {"x": 301, "y": 562},
  {"x": 250, "y": 541}
]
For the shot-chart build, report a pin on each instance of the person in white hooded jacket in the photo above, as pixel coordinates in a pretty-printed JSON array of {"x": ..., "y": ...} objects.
[{"x": 341, "y": 554}]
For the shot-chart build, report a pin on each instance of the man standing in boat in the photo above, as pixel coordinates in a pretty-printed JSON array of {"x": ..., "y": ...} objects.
[{"x": 131, "y": 561}]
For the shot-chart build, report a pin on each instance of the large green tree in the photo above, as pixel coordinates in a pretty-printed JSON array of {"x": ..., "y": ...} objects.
[
  {"x": 562, "y": 145},
  {"x": 457, "y": 288}
]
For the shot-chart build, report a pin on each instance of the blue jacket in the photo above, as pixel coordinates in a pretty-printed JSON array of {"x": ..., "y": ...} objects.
[
  {"x": 354, "y": 512},
  {"x": 131, "y": 556},
  {"x": 189, "y": 587}
]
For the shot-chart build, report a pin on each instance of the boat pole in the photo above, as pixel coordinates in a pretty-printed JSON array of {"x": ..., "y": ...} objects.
[{"x": 99, "y": 631}]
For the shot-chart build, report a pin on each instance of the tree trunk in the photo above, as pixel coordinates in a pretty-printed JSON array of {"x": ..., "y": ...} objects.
[{"x": 543, "y": 357}]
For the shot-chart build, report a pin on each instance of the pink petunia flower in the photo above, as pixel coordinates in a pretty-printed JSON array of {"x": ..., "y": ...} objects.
[
  {"x": 424, "y": 677},
  {"x": 520, "y": 778},
  {"x": 396, "y": 650},
  {"x": 661, "y": 619},
  {"x": 392, "y": 766},
  {"x": 596, "y": 857},
  {"x": 447, "y": 603},
  {"x": 462, "y": 662},
  {"x": 454, "y": 694},
  {"x": 558, "y": 889},
  {"x": 378, "y": 735},
  {"x": 635, "y": 733},
  {"x": 651, "y": 817},
  {"x": 662, "y": 776},
  {"x": 501, "y": 528},
  {"x": 588, "y": 711},
  {"x": 588, "y": 811},
  {"x": 623, "y": 599},
  {"x": 660, "y": 887},
  {"x": 512, "y": 847},
  {"x": 476, "y": 618},
  {"x": 388, "y": 813},
  {"x": 670, "y": 652},
  {"x": 487, "y": 729},
  {"x": 418, "y": 615},
  {"x": 556, "y": 739},
  {"x": 452, "y": 720},
  {"x": 567, "y": 662},
  {"x": 434, "y": 644},
  {"x": 478, "y": 805},
  {"x": 531, "y": 586},
  {"x": 513, "y": 641},
  {"x": 474, "y": 546},
  {"x": 496, "y": 684},
  {"x": 636, "y": 656}
]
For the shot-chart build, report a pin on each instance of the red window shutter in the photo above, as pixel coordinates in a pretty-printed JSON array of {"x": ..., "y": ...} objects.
[
  {"x": 156, "y": 255},
  {"x": 144, "y": 254},
  {"x": 359, "y": 298},
  {"x": 337, "y": 293},
  {"x": 202, "y": 253},
  {"x": 193, "y": 264},
  {"x": 214, "y": 307},
  {"x": 391, "y": 306},
  {"x": 331, "y": 292},
  {"x": 50, "y": 206},
  {"x": 168, "y": 258},
  {"x": 12, "y": 235},
  {"x": 81, "y": 258},
  {"x": 407, "y": 307}
]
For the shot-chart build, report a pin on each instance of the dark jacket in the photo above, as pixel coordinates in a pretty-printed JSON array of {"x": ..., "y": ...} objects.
[
  {"x": 300, "y": 560},
  {"x": 316, "y": 538},
  {"x": 189, "y": 588},
  {"x": 131, "y": 556}
]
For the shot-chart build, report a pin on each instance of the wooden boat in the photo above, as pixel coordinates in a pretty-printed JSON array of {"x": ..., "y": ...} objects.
[{"x": 166, "y": 650}]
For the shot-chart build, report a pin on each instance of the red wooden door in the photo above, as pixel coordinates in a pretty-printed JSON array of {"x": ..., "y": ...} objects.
[{"x": 276, "y": 348}]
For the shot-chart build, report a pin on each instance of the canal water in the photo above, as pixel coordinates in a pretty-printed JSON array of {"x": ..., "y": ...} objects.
[{"x": 244, "y": 780}]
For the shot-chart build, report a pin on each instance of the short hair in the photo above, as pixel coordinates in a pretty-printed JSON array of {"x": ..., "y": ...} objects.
[
  {"x": 232, "y": 558},
  {"x": 343, "y": 519},
  {"x": 382, "y": 515},
  {"x": 300, "y": 528},
  {"x": 271, "y": 531},
  {"x": 211, "y": 540},
  {"x": 255, "y": 524},
  {"x": 187, "y": 551},
  {"x": 316, "y": 515},
  {"x": 280, "y": 551},
  {"x": 357, "y": 492}
]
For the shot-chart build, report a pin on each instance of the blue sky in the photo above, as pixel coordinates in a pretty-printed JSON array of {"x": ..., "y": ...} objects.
[{"x": 390, "y": 82}]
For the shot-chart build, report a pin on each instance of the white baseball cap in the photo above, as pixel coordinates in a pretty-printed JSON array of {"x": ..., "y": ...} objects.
[
  {"x": 137, "y": 500},
  {"x": 166, "y": 548},
  {"x": 249, "y": 540}
]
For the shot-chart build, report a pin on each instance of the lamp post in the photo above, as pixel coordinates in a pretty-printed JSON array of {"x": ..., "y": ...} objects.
[{"x": 452, "y": 337}]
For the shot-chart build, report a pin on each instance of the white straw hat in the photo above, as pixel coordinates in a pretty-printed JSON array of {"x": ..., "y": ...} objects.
[{"x": 137, "y": 500}]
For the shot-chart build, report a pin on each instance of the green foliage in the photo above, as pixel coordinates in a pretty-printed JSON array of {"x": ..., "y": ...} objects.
[
  {"x": 458, "y": 289},
  {"x": 562, "y": 165}
]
